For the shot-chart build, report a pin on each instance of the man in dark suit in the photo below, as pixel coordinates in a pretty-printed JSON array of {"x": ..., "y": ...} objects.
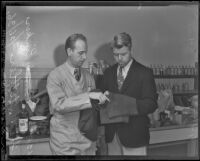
[{"x": 132, "y": 79}]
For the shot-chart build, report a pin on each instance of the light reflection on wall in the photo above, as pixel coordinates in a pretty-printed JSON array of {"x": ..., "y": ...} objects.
[{"x": 20, "y": 49}]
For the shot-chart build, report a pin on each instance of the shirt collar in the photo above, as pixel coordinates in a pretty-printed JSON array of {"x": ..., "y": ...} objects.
[
  {"x": 71, "y": 69},
  {"x": 126, "y": 68}
]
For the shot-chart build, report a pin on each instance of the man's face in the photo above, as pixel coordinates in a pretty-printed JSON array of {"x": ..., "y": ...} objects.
[
  {"x": 122, "y": 55},
  {"x": 77, "y": 55}
]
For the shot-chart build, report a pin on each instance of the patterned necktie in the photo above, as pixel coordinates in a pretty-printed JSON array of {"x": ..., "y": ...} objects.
[
  {"x": 120, "y": 78},
  {"x": 77, "y": 74}
]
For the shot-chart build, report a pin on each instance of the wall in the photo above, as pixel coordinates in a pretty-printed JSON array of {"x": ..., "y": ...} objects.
[{"x": 161, "y": 35}]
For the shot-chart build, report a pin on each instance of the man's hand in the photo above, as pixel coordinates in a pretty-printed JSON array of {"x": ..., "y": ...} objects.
[
  {"x": 99, "y": 96},
  {"x": 106, "y": 93}
]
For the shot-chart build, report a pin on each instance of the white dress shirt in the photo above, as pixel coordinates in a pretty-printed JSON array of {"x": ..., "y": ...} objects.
[{"x": 125, "y": 69}]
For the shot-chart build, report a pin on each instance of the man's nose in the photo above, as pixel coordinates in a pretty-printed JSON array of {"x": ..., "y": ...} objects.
[
  {"x": 84, "y": 56},
  {"x": 120, "y": 57}
]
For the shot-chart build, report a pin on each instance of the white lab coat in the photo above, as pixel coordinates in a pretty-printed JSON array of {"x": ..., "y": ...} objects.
[{"x": 67, "y": 98}]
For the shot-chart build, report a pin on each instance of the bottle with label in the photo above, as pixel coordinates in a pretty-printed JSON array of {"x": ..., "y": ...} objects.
[{"x": 23, "y": 121}]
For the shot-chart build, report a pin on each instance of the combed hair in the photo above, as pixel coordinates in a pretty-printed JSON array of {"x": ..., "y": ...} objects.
[
  {"x": 120, "y": 40},
  {"x": 72, "y": 39}
]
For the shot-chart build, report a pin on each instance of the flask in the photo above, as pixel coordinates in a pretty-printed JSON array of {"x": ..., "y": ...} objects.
[{"x": 23, "y": 121}]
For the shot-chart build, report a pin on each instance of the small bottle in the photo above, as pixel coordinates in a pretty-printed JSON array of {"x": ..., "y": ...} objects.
[
  {"x": 189, "y": 70},
  {"x": 151, "y": 67},
  {"x": 196, "y": 68},
  {"x": 176, "y": 70},
  {"x": 169, "y": 70},
  {"x": 166, "y": 70},
  {"x": 186, "y": 70},
  {"x": 179, "y": 70},
  {"x": 23, "y": 121},
  {"x": 162, "y": 70},
  {"x": 183, "y": 70},
  {"x": 172, "y": 70},
  {"x": 158, "y": 70},
  {"x": 90, "y": 65},
  {"x": 193, "y": 70},
  {"x": 154, "y": 69}
]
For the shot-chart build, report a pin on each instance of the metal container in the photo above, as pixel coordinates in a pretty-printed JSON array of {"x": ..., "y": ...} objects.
[{"x": 38, "y": 125}]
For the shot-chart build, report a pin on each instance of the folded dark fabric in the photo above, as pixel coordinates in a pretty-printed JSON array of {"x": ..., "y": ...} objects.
[
  {"x": 121, "y": 105},
  {"x": 118, "y": 109},
  {"x": 88, "y": 123},
  {"x": 104, "y": 118},
  {"x": 88, "y": 120}
]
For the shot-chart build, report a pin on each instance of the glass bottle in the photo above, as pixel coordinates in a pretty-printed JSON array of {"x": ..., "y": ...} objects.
[
  {"x": 183, "y": 70},
  {"x": 196, "y": 68},
  {"x": 162, "y": 70},
  {"x": 152, "y": 67},
  {"x": 169, "y": 70},
  {"x": 179, "y": 70},
  {"x": 186, "y": 70},
  {"x": 172, "y": 69},
  {"x": 23, "y": 121},
  {"x": 156, "y": 69},
  {"x": 193, "y": 70},
  {"x": 175, "y": 70},
  {"x": 90, "y": 65}
]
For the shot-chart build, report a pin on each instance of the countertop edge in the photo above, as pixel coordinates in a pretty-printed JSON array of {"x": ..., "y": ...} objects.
[{"x": 46, "y": 139}]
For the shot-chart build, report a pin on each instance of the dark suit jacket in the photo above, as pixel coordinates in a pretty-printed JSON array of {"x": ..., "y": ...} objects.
[{"x": 139, "y": 84}]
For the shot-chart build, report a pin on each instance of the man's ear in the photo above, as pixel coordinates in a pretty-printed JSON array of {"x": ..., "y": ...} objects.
[{"x": 69, "y": 51}]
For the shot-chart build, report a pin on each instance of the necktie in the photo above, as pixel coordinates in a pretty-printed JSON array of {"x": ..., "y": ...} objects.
[
  {"x": 120, "y": 78},
  {"x": 77, "y": 74}
]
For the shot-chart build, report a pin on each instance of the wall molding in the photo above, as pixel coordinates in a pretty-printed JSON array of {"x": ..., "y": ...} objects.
[{"x": 36, "y": 73}]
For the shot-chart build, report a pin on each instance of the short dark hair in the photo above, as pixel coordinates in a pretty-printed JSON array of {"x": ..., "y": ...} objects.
[
  {"x": 120, "y": 40},
  {"x": 72, "y": 39}
]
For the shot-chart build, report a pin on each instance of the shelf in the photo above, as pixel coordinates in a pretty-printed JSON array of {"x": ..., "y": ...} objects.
[
  {"x": 190, "y": 92},
  {"x": 175, "y": 76}
]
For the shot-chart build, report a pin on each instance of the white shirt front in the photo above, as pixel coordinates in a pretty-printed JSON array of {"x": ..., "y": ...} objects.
[{"x": 125, "y": 69}]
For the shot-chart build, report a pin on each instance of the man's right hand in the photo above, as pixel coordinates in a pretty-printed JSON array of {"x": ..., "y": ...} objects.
[{"x": 98, "y": 96}]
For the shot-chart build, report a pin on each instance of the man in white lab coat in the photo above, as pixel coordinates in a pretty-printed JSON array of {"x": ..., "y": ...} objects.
[{"x": 68, "y": 88}]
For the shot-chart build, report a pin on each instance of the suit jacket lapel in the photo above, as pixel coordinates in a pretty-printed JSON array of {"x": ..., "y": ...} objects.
[
  {"x": 114, "y": 76},
  {"x": 130, "y": 75}
]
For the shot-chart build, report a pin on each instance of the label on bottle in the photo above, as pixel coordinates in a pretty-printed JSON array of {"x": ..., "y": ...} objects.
[{"x": 23, "y": 125}]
